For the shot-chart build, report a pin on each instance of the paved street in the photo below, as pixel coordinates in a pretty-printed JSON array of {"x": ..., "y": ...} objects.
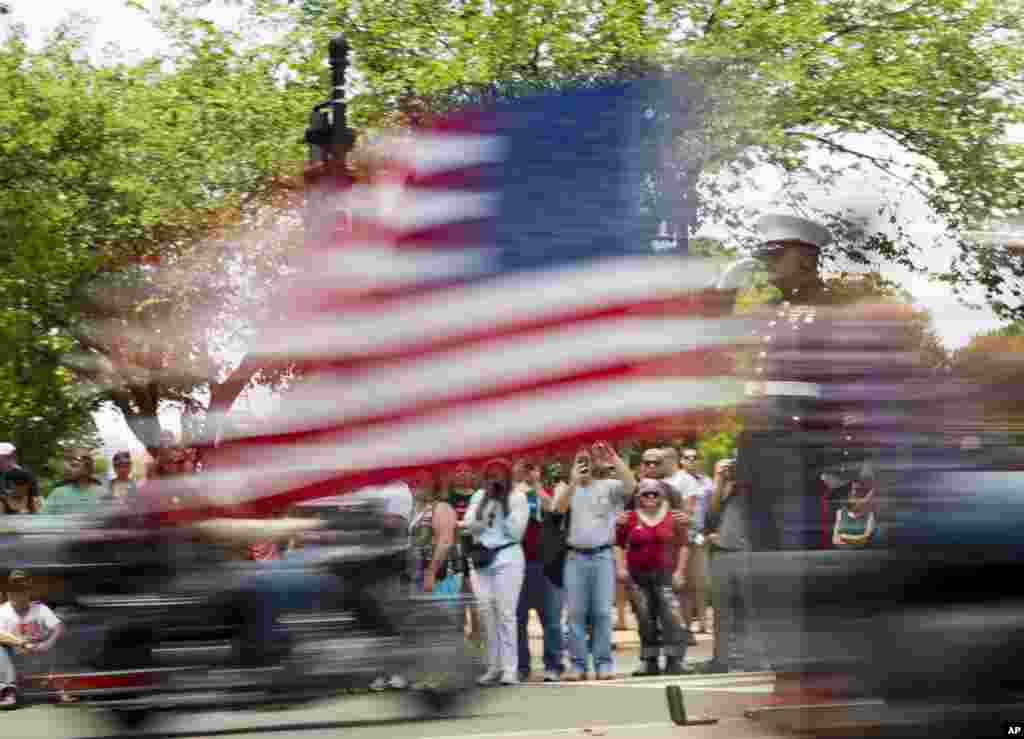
[{"x": 627, "y": 707}]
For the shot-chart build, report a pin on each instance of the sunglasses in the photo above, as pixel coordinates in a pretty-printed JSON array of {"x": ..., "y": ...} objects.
[
  {"x": 650, "y": 494},
  {"x": 690, "y": 457},
  {"x": 652, "y": 461}
]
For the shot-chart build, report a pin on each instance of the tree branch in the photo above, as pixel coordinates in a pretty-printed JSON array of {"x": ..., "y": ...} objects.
[
  {"x": 712, "y": 19},
  {"x": 882, "y": 164},
  {"x": 145, "y": 427},
  {"x": 224, "y": 394}
]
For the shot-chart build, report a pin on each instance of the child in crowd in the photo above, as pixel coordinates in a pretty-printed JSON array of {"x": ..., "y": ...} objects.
[
  {"x": 28, "y": 630},
  {"x": 855, "y": 526}
]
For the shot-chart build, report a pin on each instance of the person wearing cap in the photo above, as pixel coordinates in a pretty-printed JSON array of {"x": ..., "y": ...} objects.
[
  {"x": 797, "y": 365},
  {"x": 28, "y": 630},
  {"x": 81, "y": 491},
  {"x": 10, "y": 470},
  {"x": 821, "y": 371},
  {"x": 496, "y": 519},
  {"x": 122, "y": 488},
  {"x": 22, "y": 497}
]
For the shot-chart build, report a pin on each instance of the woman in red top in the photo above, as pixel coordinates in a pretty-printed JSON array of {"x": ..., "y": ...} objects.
[{"x": 653, "y": 545}]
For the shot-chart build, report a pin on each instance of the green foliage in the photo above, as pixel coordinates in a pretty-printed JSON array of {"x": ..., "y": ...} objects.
[
  {"x": 993, "y": 358},
  {"x": 715, "y": 447},
  {"x": 783, "y": 81},
  {"x": 109, "y": 164},
  {"x": 106, "y": 163},
  {"x": 993, "y": 362}
]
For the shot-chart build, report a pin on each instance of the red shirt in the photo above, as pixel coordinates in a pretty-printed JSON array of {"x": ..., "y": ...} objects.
[
  {"x": 649, "y": 548},
  {"x": 531, "y": 539}
]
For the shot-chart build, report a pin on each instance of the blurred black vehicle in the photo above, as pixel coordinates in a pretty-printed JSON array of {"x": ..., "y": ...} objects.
[{"x": 163, "y": 618}]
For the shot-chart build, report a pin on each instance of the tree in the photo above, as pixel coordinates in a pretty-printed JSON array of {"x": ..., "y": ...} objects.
[
  {"x": 993, "y": 364},
  {"x": 41, "y": 409},
  {"x": 124, "y": 187},
  {"x": 110, "y": 164},
  {"x": 783, "y": 83}
]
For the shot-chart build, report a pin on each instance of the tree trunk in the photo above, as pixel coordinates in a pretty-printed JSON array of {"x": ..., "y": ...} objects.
[
  {"x": 224, "y": 394},
  {"x": 139, "y": 407}
]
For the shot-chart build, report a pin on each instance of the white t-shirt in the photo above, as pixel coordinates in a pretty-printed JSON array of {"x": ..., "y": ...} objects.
[
  {"x": 35, "y": 626},
  {"x": 685, "y": 483},
  {"x": 594, "y": 507}
]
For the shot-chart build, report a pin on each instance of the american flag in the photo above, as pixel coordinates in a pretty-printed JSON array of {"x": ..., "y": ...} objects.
[{"x": 492, "y": 291}]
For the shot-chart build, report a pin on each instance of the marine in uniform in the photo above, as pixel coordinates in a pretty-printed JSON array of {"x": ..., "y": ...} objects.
[{"x": 825, "y": 384}]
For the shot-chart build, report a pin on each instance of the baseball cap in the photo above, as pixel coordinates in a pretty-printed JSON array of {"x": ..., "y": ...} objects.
[{"x": 7, "y": 448}]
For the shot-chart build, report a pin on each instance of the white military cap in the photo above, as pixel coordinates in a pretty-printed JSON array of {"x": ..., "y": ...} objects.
[
  {"x": 777, "y": 227},
  {"x": 6, "y": 449}
]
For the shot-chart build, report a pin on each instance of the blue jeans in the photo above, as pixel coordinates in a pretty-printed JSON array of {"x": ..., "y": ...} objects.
[
  {"x": 590, "y": 594},
  {"x": 541, "y": 595}
]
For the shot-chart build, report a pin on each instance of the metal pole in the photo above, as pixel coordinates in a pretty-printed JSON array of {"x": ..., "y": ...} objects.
[
  {"x": 342, "y": 137},
  {"x": 328, "y": 135}
]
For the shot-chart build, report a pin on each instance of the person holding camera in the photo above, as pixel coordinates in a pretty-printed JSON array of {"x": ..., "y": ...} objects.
[
  {"x": 590, "y": 563},
  {"x": 728, "y": 537},
  {"x": 496, "y": 519}
]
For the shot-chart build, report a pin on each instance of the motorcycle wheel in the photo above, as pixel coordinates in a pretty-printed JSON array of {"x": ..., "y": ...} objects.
[
  {"x": 131, "y": 719},
  {"x": 128, "y": 648},
  {"x": 447, "y": 685}
]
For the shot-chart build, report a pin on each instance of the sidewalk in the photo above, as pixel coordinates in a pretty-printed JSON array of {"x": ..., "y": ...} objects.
[{"x": 627, "y": 642}]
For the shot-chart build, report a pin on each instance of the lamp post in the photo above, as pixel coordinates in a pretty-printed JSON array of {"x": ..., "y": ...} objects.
[
  {"x": 5, "y": 23},
  {"x": 330, "y": 140},
  {"x": 328, "y": 135}
]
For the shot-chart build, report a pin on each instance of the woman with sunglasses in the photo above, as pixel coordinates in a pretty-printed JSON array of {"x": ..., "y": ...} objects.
[{"x": 648, "y": 546}]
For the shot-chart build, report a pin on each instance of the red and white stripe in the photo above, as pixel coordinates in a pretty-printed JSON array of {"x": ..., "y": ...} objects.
[{"x": 409, "y": 364}]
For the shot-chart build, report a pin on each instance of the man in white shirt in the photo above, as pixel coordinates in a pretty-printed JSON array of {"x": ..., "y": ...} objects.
[
  {"x": 27, "y": 629},
  {"x": 696, "y": 504},
  {"x": 590, "y": 563},
  {"x": 679, "y": 477}
]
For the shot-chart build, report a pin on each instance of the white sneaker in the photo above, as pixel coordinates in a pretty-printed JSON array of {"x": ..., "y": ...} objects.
[
  {"x": 395, "y": 682},
  {"x": 551, "y": 676},
  {"x": 491, "y": 677},
  {"x": 510, "y": 678}
]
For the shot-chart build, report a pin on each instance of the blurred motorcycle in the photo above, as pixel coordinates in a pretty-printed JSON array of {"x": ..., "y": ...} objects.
[{"x": 169, "y": 623}]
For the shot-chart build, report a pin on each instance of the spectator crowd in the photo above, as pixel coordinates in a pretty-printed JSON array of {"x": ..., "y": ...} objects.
[{"x": 576, "y": 540}]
